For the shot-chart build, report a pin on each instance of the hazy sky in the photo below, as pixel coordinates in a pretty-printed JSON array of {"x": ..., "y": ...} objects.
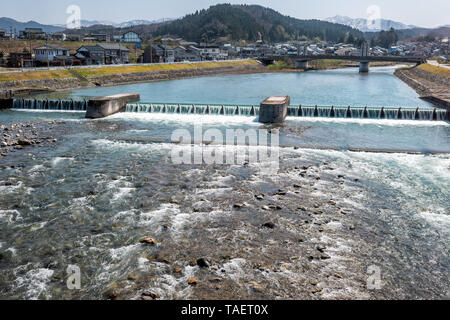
[{"x": 429, "y": 13}]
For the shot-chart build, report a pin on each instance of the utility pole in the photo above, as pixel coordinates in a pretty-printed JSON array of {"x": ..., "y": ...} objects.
[
  {"x": 151, "y": 50},
  {"x": 46, "y": 49}
]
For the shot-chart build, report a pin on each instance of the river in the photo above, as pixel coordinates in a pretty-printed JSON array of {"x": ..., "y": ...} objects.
[{"x": 336, "y": 214}]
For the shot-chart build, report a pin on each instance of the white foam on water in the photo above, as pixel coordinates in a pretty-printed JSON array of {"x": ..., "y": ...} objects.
[
  {"x": 120, "y": 146},
  {"x": 348, "y": 291},
  {"x": 10, "y": 216},
  {"x": 380, "y": 122},
  {"x": 35, "y": 281},
  {"x": 185, "y": 118},
  {"x": 12, "y": 250},
  {"x": 10, "y": 189},
  {"x": 128, "y": 215},
  {"x": 59, "y": 160},
  {"x": 35, "y": 170},
  {"x": 440, "y": 220},
  {"x": 170, "y": 287},
  {"x": 168, "y": 214},
  {"x": 235, "y": 269},
  {"x": 120, "y": 253},
  {"x": 122, "y": 193},
  {"x": 223, "y": 182}
]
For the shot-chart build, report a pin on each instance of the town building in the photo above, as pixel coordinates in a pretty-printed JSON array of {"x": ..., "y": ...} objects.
[
  {"x": 59, "y": 36},
  {"x": 130, "y": 37},
  {"x": 158, "y": 54},
  {"x": 33, "y": 34},
  {"x": 89, "y": 55},
  {"x": 189, "y": 53},
  {"x": 115, "y": 53},
  {"x": 54, "y": 55},
  {"x": 74, "y": 37},
  {"x": 20, "y": 60},
  {"x": 210, "y": 52}
]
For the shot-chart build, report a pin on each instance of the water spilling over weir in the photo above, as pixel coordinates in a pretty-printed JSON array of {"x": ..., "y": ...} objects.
[
  {"x": 392, "y": 113},
  {"x": 297, "y": 111},
  {"x": 50, "y": 104}
]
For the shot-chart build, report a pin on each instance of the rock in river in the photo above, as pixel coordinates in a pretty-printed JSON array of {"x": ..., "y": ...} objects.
[{"x": 203, "y": 263}]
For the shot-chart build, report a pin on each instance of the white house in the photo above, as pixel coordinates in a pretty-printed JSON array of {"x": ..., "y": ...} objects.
[
  {"x": 50, "y": 53},
  {"x": 130, "y": 37}
]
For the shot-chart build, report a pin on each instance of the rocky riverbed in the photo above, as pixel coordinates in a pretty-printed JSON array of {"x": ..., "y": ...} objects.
[
  {"x": 140, "y": 226},
  {"x": 20, "y": 136}
]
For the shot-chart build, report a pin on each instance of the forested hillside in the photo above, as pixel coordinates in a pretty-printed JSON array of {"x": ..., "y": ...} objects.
[{"x": 252, "y": 22}]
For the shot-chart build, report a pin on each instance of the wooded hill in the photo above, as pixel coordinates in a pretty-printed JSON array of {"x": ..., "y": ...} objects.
[{"x": 252, "y": 23}]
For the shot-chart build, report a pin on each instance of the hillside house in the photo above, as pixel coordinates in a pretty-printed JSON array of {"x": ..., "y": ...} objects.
[
  {"x": 54, "y": 55},
  {"x": 20, "y": 60},
  {"x": 190, "y": 53},
  {"x": 130, "y": 37},
  {"x": 158, "y": 54},
  {"x": 33, "y": 34},
  {"x": 115, "y": 53},
  {"x": 89, "y": 55}
]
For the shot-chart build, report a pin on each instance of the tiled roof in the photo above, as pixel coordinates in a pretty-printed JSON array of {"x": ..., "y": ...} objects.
[{"x": 113, "y": 47}]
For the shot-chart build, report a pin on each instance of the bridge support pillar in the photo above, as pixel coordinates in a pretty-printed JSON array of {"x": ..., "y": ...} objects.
[
  {"x": 274, "y": 109},
  {"x": 301, "y": 64},
  {"x": 364, "y": 67}
]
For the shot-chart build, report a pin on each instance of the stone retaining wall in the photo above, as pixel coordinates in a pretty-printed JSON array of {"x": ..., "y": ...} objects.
[{"x": 429, "y": 76}]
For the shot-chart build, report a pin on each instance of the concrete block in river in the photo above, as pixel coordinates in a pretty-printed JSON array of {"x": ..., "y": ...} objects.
[
  {"x": 274, "y": 109},
  {"x": 105, "y": 106}
]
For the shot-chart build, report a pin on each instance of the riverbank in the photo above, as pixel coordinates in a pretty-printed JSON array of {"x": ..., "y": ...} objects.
[
  {"x": 432, "y": 83},
  {"x": 19, "y": 83},
  {"x": 69, "y": 79}
]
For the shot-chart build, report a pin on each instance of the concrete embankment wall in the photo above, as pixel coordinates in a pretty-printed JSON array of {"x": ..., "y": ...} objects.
[{"x": 429, "y": 86}]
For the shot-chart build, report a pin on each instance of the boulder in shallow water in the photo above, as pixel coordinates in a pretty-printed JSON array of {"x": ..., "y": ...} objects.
[{"x": 149, "y": 241}]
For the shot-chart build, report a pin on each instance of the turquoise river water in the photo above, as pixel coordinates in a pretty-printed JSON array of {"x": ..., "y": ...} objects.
[{"x": 87, "y": 200}]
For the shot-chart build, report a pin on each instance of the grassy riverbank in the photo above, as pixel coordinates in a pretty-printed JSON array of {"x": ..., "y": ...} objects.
[
  {"x": 107, "y": 71},
  {"x": 439, "y": 71}
]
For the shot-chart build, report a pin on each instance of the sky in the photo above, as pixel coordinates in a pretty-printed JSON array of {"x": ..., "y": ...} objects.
[{"x": 429, "y": 13}]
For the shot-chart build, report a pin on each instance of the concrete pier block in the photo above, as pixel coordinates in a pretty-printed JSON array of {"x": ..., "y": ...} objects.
[
  {"x": 105, "y": 106},
  {"x": 299, "y": 64},
  {"x": 274, "y": 109},
  {"x": 364, "y": 67}
]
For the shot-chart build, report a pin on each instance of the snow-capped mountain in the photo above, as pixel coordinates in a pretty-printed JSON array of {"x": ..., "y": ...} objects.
[
  {"x": 365, "y": 25},
  {"x": 127, "y": 24},
  {"x": 139, "y": 22}
]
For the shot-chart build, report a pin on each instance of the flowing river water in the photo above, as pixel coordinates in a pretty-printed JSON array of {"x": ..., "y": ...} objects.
[{"x": 316, "y": 229}]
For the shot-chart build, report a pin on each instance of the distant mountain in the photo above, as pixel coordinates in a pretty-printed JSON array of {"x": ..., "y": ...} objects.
[
  {"x": 7, "y": 23},
  {"x": 441, "y": 32},
  {"x": 365, "y": 26},
  {"x": 252, "y": 22},
  {"x": 127, "y": 24},
  {"x": 140, "y": 23}
]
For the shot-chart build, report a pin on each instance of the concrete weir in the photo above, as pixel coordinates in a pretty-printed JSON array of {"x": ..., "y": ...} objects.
[
  {"x": 274, "y": 109},
  {"x": 105, "y": 106}
]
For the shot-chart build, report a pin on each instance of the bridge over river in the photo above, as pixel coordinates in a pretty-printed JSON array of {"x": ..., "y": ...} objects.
[{"x": 301, "y": 61}]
